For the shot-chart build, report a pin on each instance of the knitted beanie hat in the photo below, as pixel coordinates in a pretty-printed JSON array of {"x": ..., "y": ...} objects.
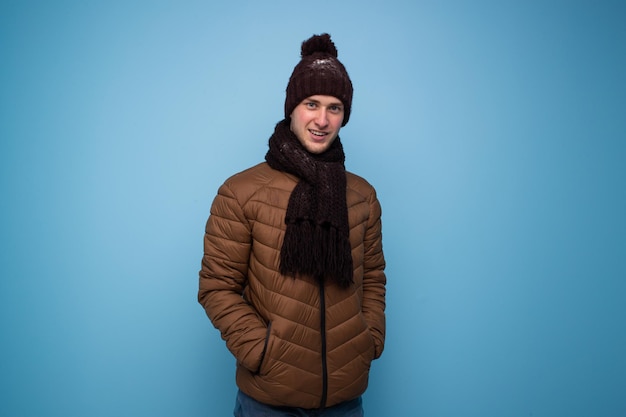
[{"x": 319, "y": 72}]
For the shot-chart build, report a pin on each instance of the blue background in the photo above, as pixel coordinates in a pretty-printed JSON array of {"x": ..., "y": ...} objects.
[{"x": 494, "y": 132}]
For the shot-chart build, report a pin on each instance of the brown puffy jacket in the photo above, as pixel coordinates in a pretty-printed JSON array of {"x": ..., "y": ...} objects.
[{"x": 297, "y": 343}]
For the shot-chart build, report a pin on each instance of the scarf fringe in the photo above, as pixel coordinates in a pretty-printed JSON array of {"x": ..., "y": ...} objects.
[{"x": 312, "y": 250}]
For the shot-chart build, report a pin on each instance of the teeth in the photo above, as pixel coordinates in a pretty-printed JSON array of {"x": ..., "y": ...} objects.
[{"x": 317, "y": 133}]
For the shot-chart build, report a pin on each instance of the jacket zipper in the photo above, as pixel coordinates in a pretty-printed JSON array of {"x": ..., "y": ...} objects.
[{"x": 323, "y": 331}]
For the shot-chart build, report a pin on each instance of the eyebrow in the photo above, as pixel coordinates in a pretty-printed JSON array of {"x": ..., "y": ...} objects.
[{"x": 333, "y": 103}]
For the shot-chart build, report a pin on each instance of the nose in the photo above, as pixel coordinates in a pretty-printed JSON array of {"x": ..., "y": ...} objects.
[{"x": 321, "y": 119}]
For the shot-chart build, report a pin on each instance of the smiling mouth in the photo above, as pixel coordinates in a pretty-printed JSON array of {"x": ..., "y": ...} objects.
[{"x": 318, "y": 133}]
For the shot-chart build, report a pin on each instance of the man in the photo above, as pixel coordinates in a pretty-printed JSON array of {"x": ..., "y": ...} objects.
[{"x": 293, "y": 268}]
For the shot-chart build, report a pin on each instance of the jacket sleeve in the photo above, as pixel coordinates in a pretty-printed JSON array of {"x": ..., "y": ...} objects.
[
  {"x": 374, "y": 279},
  {"x": 223, "y": 277}
]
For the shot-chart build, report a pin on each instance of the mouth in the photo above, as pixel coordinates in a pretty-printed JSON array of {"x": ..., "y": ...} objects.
[{"x": 318, "y": 134}]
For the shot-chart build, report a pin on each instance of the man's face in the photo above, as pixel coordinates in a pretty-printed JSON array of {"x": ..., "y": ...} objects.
[{"x": 316, "y": 122}]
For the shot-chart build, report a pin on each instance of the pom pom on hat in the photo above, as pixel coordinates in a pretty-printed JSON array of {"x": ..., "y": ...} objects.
[
  {"x": 319, "y": 44},
  {"x": 319, "y": 72}
]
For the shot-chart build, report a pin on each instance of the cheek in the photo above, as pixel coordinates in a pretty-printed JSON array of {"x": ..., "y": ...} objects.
[
  {"x": 297, "y": 120},
  {"x": 295, "y": 123},
  {"x": 337, "y": 123}
]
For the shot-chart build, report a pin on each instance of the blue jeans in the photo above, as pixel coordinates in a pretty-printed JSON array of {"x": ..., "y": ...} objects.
[{"x": 247, "y": 406}]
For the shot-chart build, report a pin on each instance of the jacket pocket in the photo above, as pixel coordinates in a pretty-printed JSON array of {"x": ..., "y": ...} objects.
[
  {"x": 371, "y": 350},
  {"x": 265, "y": 347}
]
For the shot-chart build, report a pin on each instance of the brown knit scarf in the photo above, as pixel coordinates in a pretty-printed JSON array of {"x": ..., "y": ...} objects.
[{"x": 316, "y": 241}]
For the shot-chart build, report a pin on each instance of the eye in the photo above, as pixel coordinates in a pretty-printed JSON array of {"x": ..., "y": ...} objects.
[
  {"x": 335, "y": 109},
  {"x": 310, "y": 105}
]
